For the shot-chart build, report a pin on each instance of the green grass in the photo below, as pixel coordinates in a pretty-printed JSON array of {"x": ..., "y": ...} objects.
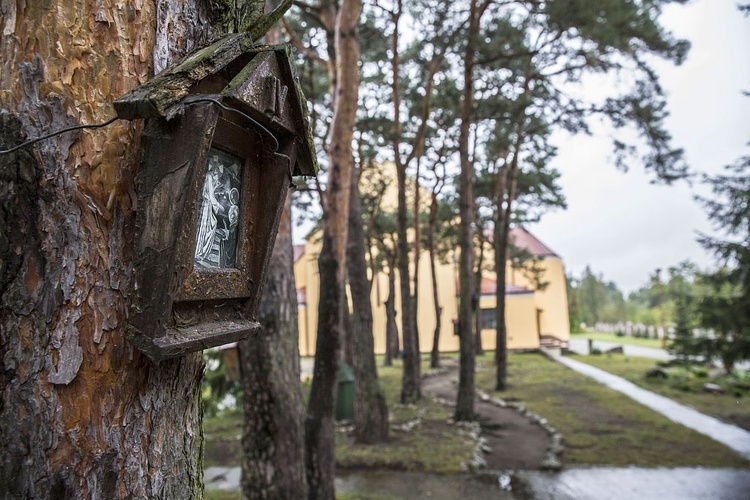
[
  {"x": 223, "y": 439},
  {"x": 433, "y": 446},
  {"x": 683, "y": 386},
  {"x": 222, "y": 495},
  {"x": 627, "y": 339},
  {"x": 602, "y": 426}
]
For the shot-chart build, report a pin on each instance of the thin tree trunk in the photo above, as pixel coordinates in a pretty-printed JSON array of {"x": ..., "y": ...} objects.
[
  {"x": 370, "y": 409},
  {"x": 466, "y": 388},
  {"x": 500, "y": 240},
  {"x": 273, "y": 464},
  {"x": 410, "y": 382},
  {"x": 417, "y": 249},
  {"x": 391, "y": 327},
  {"x": 83, "y": 414},
  {"x": 478, "y": 294},
  {"x": 505, "y": 193},
  {"x": 435, "y": 353},
  {"x": 319, "y": 452},
  {"x": 319, "y": 443}
]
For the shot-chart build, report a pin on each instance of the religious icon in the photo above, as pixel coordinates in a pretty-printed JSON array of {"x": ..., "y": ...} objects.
[{"x": 218, "y": 212}]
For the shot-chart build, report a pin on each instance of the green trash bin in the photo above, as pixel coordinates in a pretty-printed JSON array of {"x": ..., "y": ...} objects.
[{"x": 345, "y": 393}]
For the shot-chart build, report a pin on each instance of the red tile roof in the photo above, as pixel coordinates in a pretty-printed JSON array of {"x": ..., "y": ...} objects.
[{"x": 524, "y": 240}]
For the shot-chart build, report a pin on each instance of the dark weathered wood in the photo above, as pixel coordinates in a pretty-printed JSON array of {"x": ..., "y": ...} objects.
[
  {"x": 155, "y": 97},
  {"x": 271, "y": 135},
  {"x": 179, "y": 341}
]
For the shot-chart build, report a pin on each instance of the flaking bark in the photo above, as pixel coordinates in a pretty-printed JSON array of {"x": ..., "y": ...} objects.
[{"x": 83, "y": 414}]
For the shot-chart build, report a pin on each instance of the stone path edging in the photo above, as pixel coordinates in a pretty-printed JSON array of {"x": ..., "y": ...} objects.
[{"x": 551, "y": 460}]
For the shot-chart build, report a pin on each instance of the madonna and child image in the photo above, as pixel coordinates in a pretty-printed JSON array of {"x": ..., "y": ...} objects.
[{"x": 218, "y": 212}]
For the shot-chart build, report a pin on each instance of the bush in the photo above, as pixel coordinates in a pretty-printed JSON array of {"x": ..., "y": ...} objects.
[
  {"x": 700, "y": 372},
  {"x": 596, "y": 351}
]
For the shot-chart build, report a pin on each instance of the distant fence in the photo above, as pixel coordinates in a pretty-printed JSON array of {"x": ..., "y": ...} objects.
[{"x": 639, "y": 330}]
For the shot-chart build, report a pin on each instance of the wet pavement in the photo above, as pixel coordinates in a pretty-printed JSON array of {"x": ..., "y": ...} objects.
[
  {"x": 632, "y": 483},
  {"x": 729, "y": 435}
]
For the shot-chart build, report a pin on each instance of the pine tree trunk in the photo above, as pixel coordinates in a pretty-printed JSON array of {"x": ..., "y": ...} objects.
[
  {"x": 410, "y": 382},
  {"x": 83, "y": 414},
  {"x": 501, "y": 349},
  {"x": 319, "y": 443},
  {"x": 478, "y": 294},
  {"x": 505, "y": 195},
  {"x": 465, "y": 397},
  {"x": 417, "y": 250},
  {"x": 273, "y": 464},
  {"x": 370, "y": 409},
  {"x": 435, "y": 353},
  {"x": 391, "y": 326}
]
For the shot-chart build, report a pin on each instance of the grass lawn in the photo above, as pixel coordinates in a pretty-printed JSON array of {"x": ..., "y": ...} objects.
[
  {"x": 611, "y": 337},
  {"x": 432, "y": 446},
  {"x": 602, "y": 426},
  {"x": 682, "y": 386},
  {"x": 222, "y": 495}
]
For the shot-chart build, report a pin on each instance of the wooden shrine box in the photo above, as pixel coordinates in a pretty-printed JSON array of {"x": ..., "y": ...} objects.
[{"x": 225, "y": 131}]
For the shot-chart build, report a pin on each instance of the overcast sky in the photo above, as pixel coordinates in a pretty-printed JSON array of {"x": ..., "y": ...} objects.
[{"x": 619, "y": 223}]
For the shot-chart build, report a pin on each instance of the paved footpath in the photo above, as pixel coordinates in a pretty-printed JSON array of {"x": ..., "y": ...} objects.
[{"x": 730, "y": 435}]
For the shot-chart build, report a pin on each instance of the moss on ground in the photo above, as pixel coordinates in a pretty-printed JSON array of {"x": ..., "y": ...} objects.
[
  {"x": 432, "y": 445},
  {"x": 602, "y": 426}
]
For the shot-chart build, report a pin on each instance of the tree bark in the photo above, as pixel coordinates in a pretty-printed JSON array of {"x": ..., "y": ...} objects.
[
  {"x": 410, "y": 382},
  {"x": 273, "y": 464},
  {"x": 435, "y": 353},
  {"x": 505, "y": 195},
  {"x": 370, "y": 409},
  {"x": 391, "y": 326},
  {"x": 478, "y": 294},
  {"x": 466, "y": 387},
  {"x": 83, "y": 414},
  {"x": 417, "y": 249},
  {"x": 319, "y": 444}
]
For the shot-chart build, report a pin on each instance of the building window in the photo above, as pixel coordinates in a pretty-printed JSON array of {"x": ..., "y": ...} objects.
[{"x": 487, "y": 319}]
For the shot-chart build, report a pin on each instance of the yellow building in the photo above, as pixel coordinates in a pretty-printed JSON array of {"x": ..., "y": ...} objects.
[{"x": 534, "y": 315}]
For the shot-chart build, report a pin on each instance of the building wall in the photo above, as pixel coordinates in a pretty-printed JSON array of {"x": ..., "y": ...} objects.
[
  {"x": 522, "y": 310},
  {"x": 552, "y": 300}
]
